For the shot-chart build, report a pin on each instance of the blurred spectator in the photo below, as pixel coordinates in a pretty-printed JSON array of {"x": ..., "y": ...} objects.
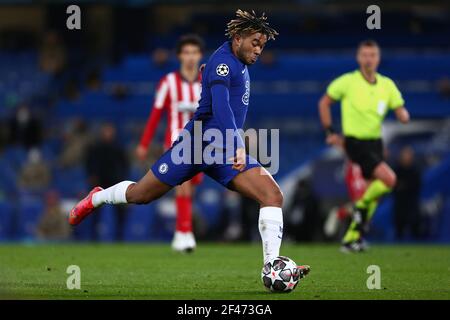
[
  {"x": 160, "y": 57},
  {"x": 3, "y": 134},
  {"x": 76, "y": 139},
  {"x": 444, "y": 87},
  {"x": 71, "y": 91},
  {"x": 35, "y": 174},
  {"x": 303, "y": 222},
  {"x": 53, "y": 223},
  {"x": 93, "y": 82},
  {"x": 120, "y": 91},
  {"x": 24, "y": 128},
  {"x": 52, "y": 57},
  {"x": 407, "y": 195},
  {"x": 268, "y": 59},
  {"x": 107, "y": 164}
]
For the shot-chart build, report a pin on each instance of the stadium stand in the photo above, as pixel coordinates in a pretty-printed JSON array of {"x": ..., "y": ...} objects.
[{"x": 284, "y": 94}]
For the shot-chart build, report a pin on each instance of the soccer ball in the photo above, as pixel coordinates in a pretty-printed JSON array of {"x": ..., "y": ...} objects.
[{"x": 280, "y": 275}]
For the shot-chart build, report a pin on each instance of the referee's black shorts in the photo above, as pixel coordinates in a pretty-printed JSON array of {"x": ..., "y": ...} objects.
[{"x": 368, "y": 154}]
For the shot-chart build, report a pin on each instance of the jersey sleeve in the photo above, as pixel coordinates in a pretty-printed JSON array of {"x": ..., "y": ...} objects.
[
  {"x": 162, "y": 99},
  {"x": 395, "y": 97},
  {"x": 220, "y": 72},
  {"x": 219, "y": 79},
  {"x": 337, "y": 88},
  {"x": 162, "y": 96}
]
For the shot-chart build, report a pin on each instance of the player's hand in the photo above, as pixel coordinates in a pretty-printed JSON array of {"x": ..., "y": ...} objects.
[
  {"x": 141, "y": 152},
  {"x": 239, "y": 160},
  {"x": 335, "y": 139}
]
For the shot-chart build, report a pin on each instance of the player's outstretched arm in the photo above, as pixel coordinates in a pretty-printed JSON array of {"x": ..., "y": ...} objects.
[{"x": 402, "y": 114}]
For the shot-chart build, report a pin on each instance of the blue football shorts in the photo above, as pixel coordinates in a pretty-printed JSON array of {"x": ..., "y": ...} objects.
[{"x": 169, "y": 170}]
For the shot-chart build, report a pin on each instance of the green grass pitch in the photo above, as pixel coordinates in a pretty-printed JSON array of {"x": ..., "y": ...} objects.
[{"x": 218, "y": 271}]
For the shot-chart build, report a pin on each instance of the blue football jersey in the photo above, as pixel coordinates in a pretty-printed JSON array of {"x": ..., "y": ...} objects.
[
  {"x": 223, "y": 105},
  {"x": 223, "y": 67}
]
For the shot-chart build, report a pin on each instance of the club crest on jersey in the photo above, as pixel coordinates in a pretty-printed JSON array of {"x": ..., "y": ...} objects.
[
  {"x": 222, "y": 70},
  {"x": 163, "y": 168}
]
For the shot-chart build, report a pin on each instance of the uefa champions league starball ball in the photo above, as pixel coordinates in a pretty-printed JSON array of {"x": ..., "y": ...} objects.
[{"x": 280, "y": 274}]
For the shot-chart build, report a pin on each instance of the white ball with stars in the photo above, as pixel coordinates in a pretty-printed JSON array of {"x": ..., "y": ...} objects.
[
  {"x": 222, "y": 70},
  {"x": 280, "y": 274}
]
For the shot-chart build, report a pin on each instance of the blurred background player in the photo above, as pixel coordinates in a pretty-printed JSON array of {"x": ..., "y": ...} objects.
[
  {"x": 177, "y": 94},
  {"x": 355, "y": 185},
  {"x": 366, "y": 96}
]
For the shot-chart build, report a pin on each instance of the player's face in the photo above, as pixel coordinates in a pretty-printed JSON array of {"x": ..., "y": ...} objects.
[
  {"x": 368, "y": 58},
  {"x": 250, "y": 47},
  {"x": 190, "y": 56}
]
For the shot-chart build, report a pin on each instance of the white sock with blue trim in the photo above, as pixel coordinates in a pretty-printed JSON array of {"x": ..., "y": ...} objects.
[{"x": 271, "y": 231}]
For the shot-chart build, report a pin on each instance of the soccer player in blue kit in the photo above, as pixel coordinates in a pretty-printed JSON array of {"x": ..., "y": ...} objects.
[{"x": 222, "y": 107}]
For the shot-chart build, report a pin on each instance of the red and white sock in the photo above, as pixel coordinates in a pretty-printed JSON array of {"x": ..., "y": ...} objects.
[{"x": 184, "y": 213}]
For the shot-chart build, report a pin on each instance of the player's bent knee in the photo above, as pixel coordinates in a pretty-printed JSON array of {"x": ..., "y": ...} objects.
[{"x": 273, "y": 198}]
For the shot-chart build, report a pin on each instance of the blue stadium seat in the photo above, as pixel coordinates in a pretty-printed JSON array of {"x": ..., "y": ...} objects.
[
  {"x": 8, "y": 175},
  {"x": 84, "y": 231},
  {"x": 107, "y": 225},
  {"x": 29, "y": 212},
  {"x": 70, "y": 182},
  {"x": 140, "y": 223}
]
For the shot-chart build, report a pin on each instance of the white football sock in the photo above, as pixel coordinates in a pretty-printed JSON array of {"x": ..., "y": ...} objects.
[
  {"x": 271, "y": 230},
  {"x": 112, "y": 195}
]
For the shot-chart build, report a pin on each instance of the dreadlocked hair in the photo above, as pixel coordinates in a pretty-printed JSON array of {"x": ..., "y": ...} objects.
[{"x": 246, "y": 22}]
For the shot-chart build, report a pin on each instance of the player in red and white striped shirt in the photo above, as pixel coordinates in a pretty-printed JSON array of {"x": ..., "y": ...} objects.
[{"x": 177, "y": 94}]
